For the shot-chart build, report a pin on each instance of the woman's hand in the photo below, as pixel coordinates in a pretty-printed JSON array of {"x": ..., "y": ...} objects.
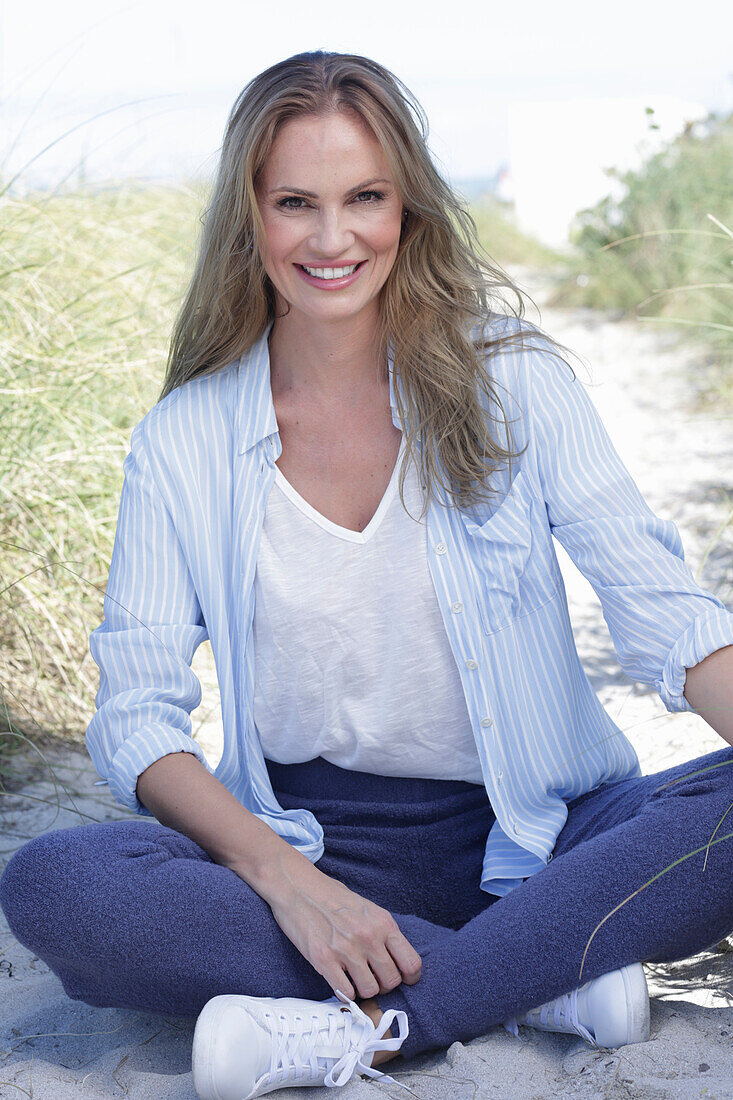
[{"x": 337, "y": 931}]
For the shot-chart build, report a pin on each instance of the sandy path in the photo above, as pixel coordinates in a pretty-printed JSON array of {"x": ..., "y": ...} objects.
[{"x": 53, "y": 1047}]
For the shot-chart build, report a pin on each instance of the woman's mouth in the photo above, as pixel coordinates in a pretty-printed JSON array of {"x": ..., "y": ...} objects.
[{"x": 331, "y": 278}]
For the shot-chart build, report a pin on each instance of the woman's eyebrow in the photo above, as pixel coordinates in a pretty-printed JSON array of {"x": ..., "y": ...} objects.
[{"x": 312, "y": 195}]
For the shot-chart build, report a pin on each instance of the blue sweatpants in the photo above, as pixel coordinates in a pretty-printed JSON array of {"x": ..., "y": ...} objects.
[{"x": 133, "y": 914}]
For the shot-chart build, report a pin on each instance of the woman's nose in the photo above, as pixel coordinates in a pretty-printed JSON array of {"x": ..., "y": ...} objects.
[{"x": 332, "y": 234}]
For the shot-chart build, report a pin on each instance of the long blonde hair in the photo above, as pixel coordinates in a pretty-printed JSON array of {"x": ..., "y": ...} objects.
[{"x": 442, "y": 282}]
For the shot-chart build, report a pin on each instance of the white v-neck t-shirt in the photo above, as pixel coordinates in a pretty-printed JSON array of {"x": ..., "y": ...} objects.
[{"x": 352, "y": 660}]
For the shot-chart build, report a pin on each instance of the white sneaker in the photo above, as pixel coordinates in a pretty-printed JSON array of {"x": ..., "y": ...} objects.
[
  {"x": 609, "y": 1011},
  {"x": 246, "y": 1046}
]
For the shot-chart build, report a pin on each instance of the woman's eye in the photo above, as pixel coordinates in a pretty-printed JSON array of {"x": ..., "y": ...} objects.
[
  {"x": 372, "y": 197},
  {"x": 377, "y": 196}
]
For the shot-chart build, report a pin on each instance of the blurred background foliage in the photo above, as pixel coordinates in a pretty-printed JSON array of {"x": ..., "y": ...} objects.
[{"x": 664, "y": 250}]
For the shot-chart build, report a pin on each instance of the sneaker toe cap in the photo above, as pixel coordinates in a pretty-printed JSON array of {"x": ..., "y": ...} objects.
[{"x": 231, "y": 1050}]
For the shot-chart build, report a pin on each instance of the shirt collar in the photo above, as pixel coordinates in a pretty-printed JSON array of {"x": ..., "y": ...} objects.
[
  {"x": 256, "y": 418},
  {"x": 394, "y": 373}
]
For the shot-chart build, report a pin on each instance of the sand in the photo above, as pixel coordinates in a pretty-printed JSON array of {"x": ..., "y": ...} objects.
[{"x": 54, "y": 1048}]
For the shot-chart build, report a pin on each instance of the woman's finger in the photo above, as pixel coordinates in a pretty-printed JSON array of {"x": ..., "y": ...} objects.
[
  {"x": 337, "y": 978},
  {"x": 386, "y": 970},
  {"x": 366, "y": 983},
  {"x": 405, "y": 956}
]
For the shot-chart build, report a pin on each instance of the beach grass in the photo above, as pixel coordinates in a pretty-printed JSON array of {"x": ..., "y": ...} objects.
[{"x": 91, "y": 280}]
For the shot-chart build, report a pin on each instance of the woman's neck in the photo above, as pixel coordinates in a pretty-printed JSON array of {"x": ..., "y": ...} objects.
[{"x": 334, "y": 362}]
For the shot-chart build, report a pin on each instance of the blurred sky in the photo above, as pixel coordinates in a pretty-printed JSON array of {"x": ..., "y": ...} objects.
[{"x": 166, "y": 72}]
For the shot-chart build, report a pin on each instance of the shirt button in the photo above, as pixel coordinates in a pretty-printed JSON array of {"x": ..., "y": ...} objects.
[
  {"x": 487, "y": 721},
  {"x": 500, "y": 776},
  {"x": 514, "y": 827},
  {"x": 440, "y": 548},
  {"x": 457, "y": 607},
  {"x": 470, "y": 663}
]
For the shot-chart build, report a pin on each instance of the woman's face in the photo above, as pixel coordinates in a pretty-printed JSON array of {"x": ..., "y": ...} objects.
[{"x": 328, "y": 201}]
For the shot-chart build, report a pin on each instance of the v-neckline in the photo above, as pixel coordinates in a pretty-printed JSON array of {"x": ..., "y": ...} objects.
[{"x": 326, "y": 524}]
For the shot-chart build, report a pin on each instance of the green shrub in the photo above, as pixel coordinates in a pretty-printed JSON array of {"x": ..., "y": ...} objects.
[{"x": 663, "y": 251}]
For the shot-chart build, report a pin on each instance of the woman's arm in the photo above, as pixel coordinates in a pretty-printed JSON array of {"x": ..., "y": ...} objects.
[
  {"x": 140, "y": 738},
  {"x": 346, "y": 938},
  {"x": 186, "y": 797},
  {"x": 661, "y": 622},
  {"x": 709, "y": 691},
  {"x": 151, "y": 629}
]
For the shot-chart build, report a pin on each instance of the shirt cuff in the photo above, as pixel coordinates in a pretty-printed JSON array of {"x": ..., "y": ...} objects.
[
  {"x": 141, "y": 749},
  {"x": 707, "y": 633}
]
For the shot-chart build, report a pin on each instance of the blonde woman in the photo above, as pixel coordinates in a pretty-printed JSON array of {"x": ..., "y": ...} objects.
[{"x": 350, "y": 485}]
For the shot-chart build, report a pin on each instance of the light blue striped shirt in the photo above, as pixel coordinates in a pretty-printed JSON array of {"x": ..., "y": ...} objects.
[{"x": 197, "y": 477}]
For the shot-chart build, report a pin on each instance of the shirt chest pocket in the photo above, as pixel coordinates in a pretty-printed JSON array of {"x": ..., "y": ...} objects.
[{"x": 517, "y": 570}]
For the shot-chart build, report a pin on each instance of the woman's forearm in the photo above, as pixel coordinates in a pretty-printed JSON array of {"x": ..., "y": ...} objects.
[{"x": 184, "y": 796}]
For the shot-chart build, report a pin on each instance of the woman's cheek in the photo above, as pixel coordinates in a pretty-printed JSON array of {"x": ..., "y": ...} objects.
[{"x": 387, "y": 235}]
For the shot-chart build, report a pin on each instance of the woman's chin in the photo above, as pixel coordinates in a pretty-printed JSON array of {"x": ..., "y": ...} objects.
[{"x": 324, "y": 312}]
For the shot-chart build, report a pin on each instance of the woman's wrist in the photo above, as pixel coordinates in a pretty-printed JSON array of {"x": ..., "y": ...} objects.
[{"x": 279, "y": 872}]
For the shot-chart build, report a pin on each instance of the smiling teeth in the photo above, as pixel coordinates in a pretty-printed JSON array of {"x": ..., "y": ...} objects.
[{"x": 329, "y": 272}]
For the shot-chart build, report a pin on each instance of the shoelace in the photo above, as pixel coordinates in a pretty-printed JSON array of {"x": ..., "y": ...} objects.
[
  {"x": 371, "y": 1040},
  {"x": 293, "y": 1049},
  {"x": 563, "y": 1010}
]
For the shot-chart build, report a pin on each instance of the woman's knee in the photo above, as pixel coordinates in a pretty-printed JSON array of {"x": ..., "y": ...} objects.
[
  {"x": 48, "y": 879},
  {"x": 28, "y": 885},
  {"x": 708, "y": 778},
  {"x": 722, "y": 770}
]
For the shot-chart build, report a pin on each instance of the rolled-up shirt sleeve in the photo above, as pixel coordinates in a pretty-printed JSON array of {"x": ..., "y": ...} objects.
[
  {"x": 144, "y": 647},
  {"x": 660, "y": 620}
]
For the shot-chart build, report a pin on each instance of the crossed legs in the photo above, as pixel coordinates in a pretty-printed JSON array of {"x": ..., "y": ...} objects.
[{"x": 132, "y": 914}]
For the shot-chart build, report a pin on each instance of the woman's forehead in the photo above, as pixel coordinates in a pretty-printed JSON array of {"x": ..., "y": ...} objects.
[{"x": 308, "y": 140}]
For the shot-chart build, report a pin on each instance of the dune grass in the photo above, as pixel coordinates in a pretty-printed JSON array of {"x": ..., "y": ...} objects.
[
  {"x": 502, "y": 238},
  {"x": 91, "y": 280}
]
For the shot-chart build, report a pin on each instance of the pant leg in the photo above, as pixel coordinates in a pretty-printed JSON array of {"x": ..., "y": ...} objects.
[
  {"x": 132, "y": 914},
  {"x": 143, "y": 918},
  {"x": 526, "y": 948}
]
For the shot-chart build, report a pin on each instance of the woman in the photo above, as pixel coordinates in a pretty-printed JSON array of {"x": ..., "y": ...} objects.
[{"x": 409, "y": 735}]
